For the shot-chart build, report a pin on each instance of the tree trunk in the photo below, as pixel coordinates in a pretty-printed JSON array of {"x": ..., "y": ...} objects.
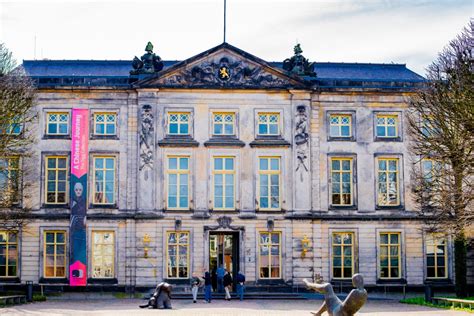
[{"x": 460, "y": 254}]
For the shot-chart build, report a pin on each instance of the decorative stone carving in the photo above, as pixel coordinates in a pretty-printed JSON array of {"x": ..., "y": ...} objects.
[
  {"x": 301, "y": 137},
  {"x": 146, "y": 140},
  {"x": 299, "y": 65},
  {"x": 225, "y": 72},
  {"x": 149, "y": 63},
  {"x": 224, "y": 222}
]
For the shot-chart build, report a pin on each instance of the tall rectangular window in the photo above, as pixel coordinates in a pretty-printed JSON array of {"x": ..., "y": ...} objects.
[
  {"x": 56, "y": 179},
  {"x": 342, "y": 255},
  {"x": 341, "y": 181},
  {"x": 54, "y": 254},
  {"x": 105, "y": 124},
  {"x": 388, "y": 192},
  {"x": 269, "y": 183},
  {"x": 57, "y": 123},
  {"x": 386, "y": 126},
  {"x": 8, "y": 254},
  {"x": 104, "y": 180},
  {"x": 270, "y": 255},
  {"x": 223, "y": 124},
  {"x": 224, "y": 183},
  {"x": 9, "y": 180},
  {"x": 178, "y": 182},
  {"x": 268, "y": 124},
  {"x": 103, "y": 254},
  {"x": 436, "y": 257},
  {"x": 340, "y": 125},
  {"x": 177, "y": 253},
  {"x": 178, "y": 123},
  {"x": 390, "y": 260}
]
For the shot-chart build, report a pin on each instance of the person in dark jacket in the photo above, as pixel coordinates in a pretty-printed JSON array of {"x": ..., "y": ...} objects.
[
  {"x": 240, "y": 280},
  {"x": 227, "y": 282},
  {"x": 207, "y": 287}
]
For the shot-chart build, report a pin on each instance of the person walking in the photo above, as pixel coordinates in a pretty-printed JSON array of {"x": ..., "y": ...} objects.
[
  {"x": 227, "y": 282},
  {"x": 196, "y": 283},
  {"x": 220, "y": 277},
  {"x": 240, "y": 280},
  {"x": 207, "y": 287}
]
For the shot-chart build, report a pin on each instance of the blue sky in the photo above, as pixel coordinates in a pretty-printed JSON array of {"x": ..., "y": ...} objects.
[{"x": 376, "y": 31}]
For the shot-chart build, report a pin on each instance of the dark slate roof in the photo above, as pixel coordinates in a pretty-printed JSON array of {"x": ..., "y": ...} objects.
[{"x": 116, "y": 73}]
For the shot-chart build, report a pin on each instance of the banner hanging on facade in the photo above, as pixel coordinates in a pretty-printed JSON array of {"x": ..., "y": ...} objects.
[{"x": 78, "y": 194}]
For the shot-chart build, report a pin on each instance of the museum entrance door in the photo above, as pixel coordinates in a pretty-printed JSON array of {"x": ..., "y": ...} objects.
[{"x": 224, "y": 249}]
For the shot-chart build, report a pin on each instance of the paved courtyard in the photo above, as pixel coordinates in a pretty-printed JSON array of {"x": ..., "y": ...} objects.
[{"x": 129, "y": 307}]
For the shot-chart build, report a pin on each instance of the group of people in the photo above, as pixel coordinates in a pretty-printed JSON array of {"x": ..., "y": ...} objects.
[{"x": 219, "y": 281}]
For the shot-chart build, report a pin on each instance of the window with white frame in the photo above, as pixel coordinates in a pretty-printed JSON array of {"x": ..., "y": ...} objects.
[
  {"x": 341, "y": 181},
  {"x": 104, "y": 180},
  {"x": 269, "y": 255},
  {"x": 387, "y": 126},
  {"x": 178, "y": 123},
  {"x": 224, "y": 183},
  {"x": 340, "y": 125},
  {"x": 105, "y": 124},
  {"x": 269, "y": 175},
  {"x": 57, "y": 123},
  {"x": 223, "y": 124},
  {"x": 388, "y": 190},
  {"x": 268, "y": 124},
  {"x": 178, "y": 182}
]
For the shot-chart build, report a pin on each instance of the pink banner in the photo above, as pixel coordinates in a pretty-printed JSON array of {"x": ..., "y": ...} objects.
[
  {"x": 80, "y": 137},
  {"x": 79, "y": 168}
]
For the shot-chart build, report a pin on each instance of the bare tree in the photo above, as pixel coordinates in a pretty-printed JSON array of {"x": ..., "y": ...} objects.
[
  {"x": 441, "y": 125},
  {"x": 16, "y": 115}
]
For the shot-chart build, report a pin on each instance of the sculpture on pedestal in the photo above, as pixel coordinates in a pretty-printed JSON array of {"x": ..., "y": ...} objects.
[
  {"x": 299, "y": 65},
  {"x": 333, "y": 305},
  {"x": 149, "y": 63}
]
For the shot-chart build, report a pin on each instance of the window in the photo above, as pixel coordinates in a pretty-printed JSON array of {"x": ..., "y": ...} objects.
[
  {"x": 178, "y": 182},
  {"x": 390, "y": 262},
  {"x": 12, "y": 128},
  {"x": 431, "y": 169},
  {"x": 56, "y": 179},
  {"x": 342, "y": 255},
  {"x": 270, "y": 255},
  {"x": 268, "y": 124},
  {"x": 224, "y": 182},
  {"x": 177, "y": 245},
  {"x": 105, "y": 124},
  {"x": 341, "y": 181},
  {"x": 54, "y": 254},
  {"x": 387, "y": 126},
  {"x": 103, "y": 254},
  {"x": 387, "y": 182},
  {"x": 57, "y": 123},
  {"x": 340, "y": 125},
  {"x": 8, "y": 254},
  {"x": 223, "y": 124},
  {"x": 9, "y": 180},
  {"x": 269, "y": 183},
  {"x": 436, "y": 256},
  {"x": 104, "y": 180},
  {"x": 178, "y": 123}
]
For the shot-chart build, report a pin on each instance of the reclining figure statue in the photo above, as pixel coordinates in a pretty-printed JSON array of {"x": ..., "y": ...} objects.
[
  {"x": 161, "y": 297},
  {"x": 333, "y": 305}
]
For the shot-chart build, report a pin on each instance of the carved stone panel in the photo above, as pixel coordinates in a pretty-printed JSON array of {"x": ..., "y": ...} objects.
[{"x": 146, "y": 140}]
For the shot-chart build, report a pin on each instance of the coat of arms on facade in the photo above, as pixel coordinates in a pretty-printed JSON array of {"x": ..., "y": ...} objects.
[{"x": 224, "y": 70}]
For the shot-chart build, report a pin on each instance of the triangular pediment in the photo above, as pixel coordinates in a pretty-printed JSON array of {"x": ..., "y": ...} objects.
[{"x": 223, "y": 66}]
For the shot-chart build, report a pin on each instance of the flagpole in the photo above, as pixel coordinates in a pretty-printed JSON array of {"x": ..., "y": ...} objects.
[{"x": 225, "y": 2}]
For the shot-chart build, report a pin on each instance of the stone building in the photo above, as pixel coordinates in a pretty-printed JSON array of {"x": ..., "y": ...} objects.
[{"x": 280, "y": 170}]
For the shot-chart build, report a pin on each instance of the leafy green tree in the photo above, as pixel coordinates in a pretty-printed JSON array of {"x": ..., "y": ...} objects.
[{"x": 441, "y": 126}]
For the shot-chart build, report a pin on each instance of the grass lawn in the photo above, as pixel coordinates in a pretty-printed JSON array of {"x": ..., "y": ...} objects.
[{"x": 421, "y": 301}]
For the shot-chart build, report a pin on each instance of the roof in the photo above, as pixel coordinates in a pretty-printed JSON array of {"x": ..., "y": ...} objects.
[{"x": 117, "y": 72}]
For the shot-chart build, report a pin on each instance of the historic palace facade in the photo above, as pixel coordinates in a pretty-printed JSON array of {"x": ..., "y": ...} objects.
[{"x": 282, "y": 170}]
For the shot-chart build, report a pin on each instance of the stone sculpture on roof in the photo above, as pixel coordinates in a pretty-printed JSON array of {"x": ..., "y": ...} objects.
[
  {"x": 149, "y": 63},
  {"x": 299, "y": 65}
]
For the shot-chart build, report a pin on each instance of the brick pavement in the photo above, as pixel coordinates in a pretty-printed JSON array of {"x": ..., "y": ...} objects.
[{"x": 129, "y": 307}]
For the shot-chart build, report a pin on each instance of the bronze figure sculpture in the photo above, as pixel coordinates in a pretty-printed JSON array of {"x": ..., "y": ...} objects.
[
  {"x": 161, "y": 297},
  {"x": 333, "y": 305}
]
